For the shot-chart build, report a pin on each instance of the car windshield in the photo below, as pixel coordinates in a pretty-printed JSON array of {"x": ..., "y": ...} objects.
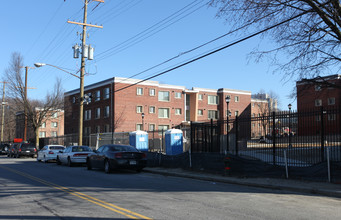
[
  {"x": 56, "y": 148},
  {"x": 122, "y": 148},
  {"x": 27, "y": 146},
  {"x": 80, "y": 149}
]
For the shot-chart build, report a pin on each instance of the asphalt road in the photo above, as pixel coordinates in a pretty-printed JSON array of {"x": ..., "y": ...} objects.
[{"x": 33, "y": 190}]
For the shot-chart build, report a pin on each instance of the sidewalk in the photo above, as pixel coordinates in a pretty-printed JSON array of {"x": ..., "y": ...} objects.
[{"x": 320, "y": 188}]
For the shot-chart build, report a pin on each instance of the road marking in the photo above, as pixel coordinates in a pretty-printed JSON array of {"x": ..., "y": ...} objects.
[{"x": 112, "y": 207}]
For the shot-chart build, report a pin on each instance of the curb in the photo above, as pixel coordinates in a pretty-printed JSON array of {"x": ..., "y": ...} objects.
[{"x": 307, "y": 190}]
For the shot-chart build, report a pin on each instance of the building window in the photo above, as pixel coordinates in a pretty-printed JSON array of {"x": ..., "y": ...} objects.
[
  {"x": 318, "y": 102},
  {"x": 43, "y": 125},
  {"x": 87, "y": 131},
  {"x": 178, "y": 111},
  {"x": 139, "y": 109},
  {"x": 331, "y": 101},
  {"x": 97, "y": 113},
  {"x": 318, "y": 117},
  {"x": 152, "y": 109},
  {"x": 318, "y": 88},
  {"x": 73, "y": 99},
  {"x": 87, "y": 114},
  {"x": 42, "y": 134},
  {"x": 88, "y": 98},
  {"x": 106, "y": 128},
  {"x": 236, "y": 99},
  {"x": 163, "y": 128},
  {"x": 213, "y": 100},
  {"x": 54, "y": 115},
  {"x": 253, "y": 104},
  {"x": 151, "y": 127},
  {"x": 139, "y": 127},
  {"x": 106, "y": 94},
  {"x": 139, "y": 91},
  {"x": 331, "y": 117},
  {"x": 236, "y": 113},
  {"x": 98, "y": 129},
  {"x": 163, "y": 112},
  {"x": 200, "y": 97},
  {"x": 178, "y": 95},
  {"x": 98, "y": 95},
  {"x": 164, "y": 96},
  {"x": 53, "y": 133},
  {"x": 212, "y": 114},
  {"x": 253, "y": 115},
  {"x": 54, "y": 124},
  {"x": 200, "y": 112},
  {"x": 106, "y": 111},
  {"x": 151, "y": 92}
]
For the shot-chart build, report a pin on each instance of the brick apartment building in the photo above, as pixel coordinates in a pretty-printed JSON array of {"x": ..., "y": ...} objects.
[
  {"x": 164, "y": 106},
  {"x": 53, "y": 126},
  {"x": 318, "y": 94}
]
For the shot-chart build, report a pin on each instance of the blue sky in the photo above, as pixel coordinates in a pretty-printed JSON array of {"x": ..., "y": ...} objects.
[{"x": 38, "y": 29}]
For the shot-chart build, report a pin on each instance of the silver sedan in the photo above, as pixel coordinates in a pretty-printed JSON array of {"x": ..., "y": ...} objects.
[
  {"x": 49, "y": 152},
  {"x": 74, "y": 154}
]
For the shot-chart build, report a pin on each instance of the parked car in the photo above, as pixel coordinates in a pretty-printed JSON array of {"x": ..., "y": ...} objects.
[
  {"x": 4, "y": 149},
  {"x": 49, "y": 152},
  {"x": 112, "y": 157},
  {"x": 26, "y": 149},
  {"x": 73, "y": 154},
  {"x": 12, "y": 150}
]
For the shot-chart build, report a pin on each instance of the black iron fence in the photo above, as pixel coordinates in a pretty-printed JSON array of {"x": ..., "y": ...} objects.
[{"x": 296, "y": 139}]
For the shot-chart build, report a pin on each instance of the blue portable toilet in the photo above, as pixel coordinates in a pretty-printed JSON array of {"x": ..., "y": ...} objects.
[
  {"x": 139, "y": 139},
  {"x": 174, "y": 142}
]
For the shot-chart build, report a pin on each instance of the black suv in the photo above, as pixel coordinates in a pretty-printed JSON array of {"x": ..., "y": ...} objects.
[
  {"x": 4, "y": 148},
  {"x": 26, "y": 149}
]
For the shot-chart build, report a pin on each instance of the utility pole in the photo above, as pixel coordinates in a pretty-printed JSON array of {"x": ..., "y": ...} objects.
[
  {"x": 3, "y": 112},
  {"x": 82, "y": 72},
  {"x": 25, "y": 100}
]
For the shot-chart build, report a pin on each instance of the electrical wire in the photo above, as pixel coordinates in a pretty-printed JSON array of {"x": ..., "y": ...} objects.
[
  {"x": 144, "y": 34},
  {"x": 212, "y": 52}
]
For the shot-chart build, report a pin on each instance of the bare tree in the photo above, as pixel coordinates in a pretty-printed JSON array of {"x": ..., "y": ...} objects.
[
  {"x": 36, "y": 110},
  {"x": 312, "y": 40}
]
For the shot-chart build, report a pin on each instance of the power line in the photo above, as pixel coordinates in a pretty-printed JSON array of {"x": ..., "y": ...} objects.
[
  {"x": 212, "y": 52},
  {"x": 198, "y": 47},
  {"x": 152, "y": 29}
]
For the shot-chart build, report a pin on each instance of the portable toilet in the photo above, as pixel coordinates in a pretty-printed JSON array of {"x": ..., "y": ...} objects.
[
  {"x": 174, "y": 142},
  {"x": 139, "y": 139}
]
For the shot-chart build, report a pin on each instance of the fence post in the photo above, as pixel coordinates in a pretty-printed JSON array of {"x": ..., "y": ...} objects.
[
  {"x": 237, "y": 134},
  {"x": 211, "y": 138},
  {"x": 322, "y": 135},
  {"x": 274, "y": 138}
]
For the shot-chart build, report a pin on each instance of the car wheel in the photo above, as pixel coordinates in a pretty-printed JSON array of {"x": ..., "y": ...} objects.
[
  {"x": 17, "y": 156},
  {"x": 69, "y": 163},
  {"x": 107, "y": 166},
  {"x": 38, "y": 160},
  {"x": 88, "y": 164},
  {"x": 58, "y": 161}
]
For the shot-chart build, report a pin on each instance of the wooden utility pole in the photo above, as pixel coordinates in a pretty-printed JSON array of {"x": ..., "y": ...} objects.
[
  {"x": 25, "y": 102},
  {"x": 3, "y": 112},
  {"x": 82, "y": 72}
]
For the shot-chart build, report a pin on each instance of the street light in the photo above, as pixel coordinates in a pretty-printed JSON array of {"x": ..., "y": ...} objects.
[
  {"x": 227, "y": 100},
  {"x": 81, "y": 100},
  {"x": 142, "y": 115},
  {"x": 289, "y": 106},
  {"x": 45, "y": 64}
]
